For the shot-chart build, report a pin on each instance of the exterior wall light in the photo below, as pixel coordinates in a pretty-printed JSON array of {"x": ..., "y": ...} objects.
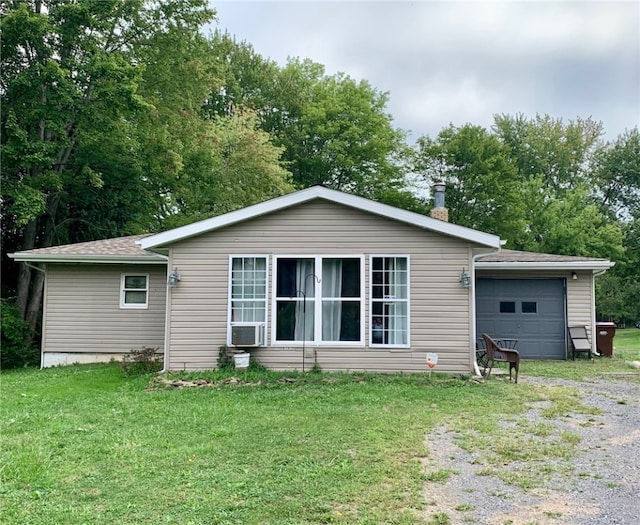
[
  {"x": 174, "y": 278},
  {"x": 465, "y": 279},
  {"x": 574, "y": 276}
]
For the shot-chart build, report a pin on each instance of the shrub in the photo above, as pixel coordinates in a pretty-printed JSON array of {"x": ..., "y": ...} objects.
[
  {"x": 17, "y": 348},
  {"x": 225, "y": 359},
  {"x": 145, "y": 360}
]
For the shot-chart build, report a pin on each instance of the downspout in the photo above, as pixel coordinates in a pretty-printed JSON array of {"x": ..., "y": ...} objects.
[
  {"x": 29, "y": 265},
  {"x": 594, "y": 343},
  {"x": 476, "y": 368},
  {"x": 165, "y": 355}
]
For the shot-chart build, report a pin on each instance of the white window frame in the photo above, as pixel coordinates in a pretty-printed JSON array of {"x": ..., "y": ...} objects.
[
  {"x": 124, "y": 290},
  {"x": 230, "y": 298},
  {"x": 315, "y": 339},
  {"x": 373, "y": 300}
]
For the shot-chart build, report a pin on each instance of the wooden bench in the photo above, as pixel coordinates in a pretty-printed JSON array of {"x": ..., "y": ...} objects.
[{"x": 497, "y": 353}]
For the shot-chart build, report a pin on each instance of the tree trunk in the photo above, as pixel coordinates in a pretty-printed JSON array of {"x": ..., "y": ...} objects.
[
  {"x": 35, "y": 302},
  {"x": 37, "y": 278},
  {"x": 24, "y": 273}
]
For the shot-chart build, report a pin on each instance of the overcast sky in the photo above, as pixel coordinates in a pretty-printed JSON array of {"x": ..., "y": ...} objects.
[{"x": 459, "y": 62}]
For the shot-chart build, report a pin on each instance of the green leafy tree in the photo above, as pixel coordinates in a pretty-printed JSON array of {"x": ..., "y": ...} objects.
[
  {"x": 482, "y": 188},
  {"x": 618, "y": 291},
  {"x": 557, "y": 154},
  {"x": 617, "y": 175},
  {"x": 70, "y": 94},
  {"x": 234, "y": 165},
  {"x": 555, "y": 170},
  {"x": 334, "y": 131},
  {"x": 573, "y": 225}
]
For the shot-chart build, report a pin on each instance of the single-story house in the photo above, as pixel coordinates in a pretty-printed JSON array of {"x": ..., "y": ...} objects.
[{"x": 315, "y": 276}]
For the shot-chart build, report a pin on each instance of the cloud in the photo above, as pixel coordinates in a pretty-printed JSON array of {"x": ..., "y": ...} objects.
[{"x": 463, "y": 62}]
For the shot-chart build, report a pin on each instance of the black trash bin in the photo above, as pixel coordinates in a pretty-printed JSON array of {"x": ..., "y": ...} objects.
[{"x": 605, "y": 332}]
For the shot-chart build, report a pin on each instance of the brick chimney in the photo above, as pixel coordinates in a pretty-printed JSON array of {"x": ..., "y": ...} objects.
[{"x": 439, "y": 211}]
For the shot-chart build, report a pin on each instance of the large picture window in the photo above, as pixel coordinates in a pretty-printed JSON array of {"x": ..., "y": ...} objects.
[
  {"x": 389, "y": 308},
  {"x": 319, "y": 299},
  {"x": 134, "y": 291},
  {"x": 248, "y": 291}
]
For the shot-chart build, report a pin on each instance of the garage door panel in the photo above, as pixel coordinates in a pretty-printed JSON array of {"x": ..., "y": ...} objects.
[{"x": 530, "y": 310}]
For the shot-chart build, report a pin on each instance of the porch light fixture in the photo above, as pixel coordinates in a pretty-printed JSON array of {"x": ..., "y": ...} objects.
[
  {"x": 574, "y": 276},
  {"x": 465, "y": 279},
  {"x": 174, "y": 278}
]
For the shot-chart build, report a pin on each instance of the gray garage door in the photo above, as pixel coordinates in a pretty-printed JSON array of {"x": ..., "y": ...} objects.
[{"x": 530, "y": 310}]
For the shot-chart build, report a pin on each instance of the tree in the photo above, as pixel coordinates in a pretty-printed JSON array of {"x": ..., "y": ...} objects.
[
  {"x": 343, "y": 138},
  {"x": 233, "y": 166},
  {"x": 554, "y": 163},
  {"x": 558, "y": 155},
  {"x": 71, "y": 85},
  {"x": 617, "y": 175},
  {"x": 618, "y": 291},
  {"x": 482, "y": 189},
  {"x": 334, "y": 131}
]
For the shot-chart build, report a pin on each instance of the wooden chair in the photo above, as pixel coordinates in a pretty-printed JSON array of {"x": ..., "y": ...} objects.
[
  {"x": 497, "y": 353},
  {"x": 579, "y": 341},
  {"x": 481, "y": 353}
]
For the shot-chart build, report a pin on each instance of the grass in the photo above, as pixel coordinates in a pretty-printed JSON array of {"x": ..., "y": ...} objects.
[
  {"x": 626, "y": 348},
  {"x": 85, "y": 444},
  {"x": 626, "y": 344}
]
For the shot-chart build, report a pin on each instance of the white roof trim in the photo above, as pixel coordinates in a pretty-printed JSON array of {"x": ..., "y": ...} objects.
[
  {"x": 558, "y": 265},
  {"x": 70, "y": 258},
  {"x": 315, "y": 192}
]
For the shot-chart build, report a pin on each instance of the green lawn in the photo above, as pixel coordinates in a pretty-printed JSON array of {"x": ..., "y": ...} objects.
[
  {"x": 84, "y": 444},
  {"x": 626, "y": 348},
  {"x": 626, "y": 344}
]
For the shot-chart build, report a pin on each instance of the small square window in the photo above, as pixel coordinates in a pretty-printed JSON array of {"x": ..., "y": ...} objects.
[
  {"x": 529, "y": 307},
  {"x": 134, "y": 291},
  {"x": 507, "y": 307}
]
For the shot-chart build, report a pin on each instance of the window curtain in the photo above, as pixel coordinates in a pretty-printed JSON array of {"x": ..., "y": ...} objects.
[
  {"x": 391, "y": 306},
  {"x": 305, "y": 290},
  {"x": 397, "y": 272},
  {"x": 332, "y": 309}
]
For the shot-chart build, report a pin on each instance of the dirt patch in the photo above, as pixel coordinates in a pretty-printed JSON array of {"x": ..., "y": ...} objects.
[{"x": 598, "y": 485}]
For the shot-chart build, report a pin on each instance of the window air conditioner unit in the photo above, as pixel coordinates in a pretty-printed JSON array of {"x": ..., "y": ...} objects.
[{"x": 247, "y": 334}]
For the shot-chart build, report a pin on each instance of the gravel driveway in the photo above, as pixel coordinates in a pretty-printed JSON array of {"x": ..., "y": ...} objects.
[{"x": 600, "y": 485}]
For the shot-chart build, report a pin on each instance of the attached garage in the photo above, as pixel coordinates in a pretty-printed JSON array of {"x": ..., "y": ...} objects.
[
  {"x": 533, "y": 311},
  {"x": 534, "y": 297}
]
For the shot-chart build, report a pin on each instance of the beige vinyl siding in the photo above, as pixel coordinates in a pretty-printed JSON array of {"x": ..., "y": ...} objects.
[
  {"x": 439, "y": 305},
  {"x": 83, "y": 314},
  {"x": 580, "y": 306}
]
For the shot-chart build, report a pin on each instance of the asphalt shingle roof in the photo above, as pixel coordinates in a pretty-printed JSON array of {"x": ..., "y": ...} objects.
[
  {"x": 533, "y": 257},
  {"x": 118, "y": 246}
]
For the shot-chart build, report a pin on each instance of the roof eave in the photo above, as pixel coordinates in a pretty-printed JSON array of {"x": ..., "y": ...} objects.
[
  {"x": 532, "y": 265},
  {"x": 94, "y": 259}
]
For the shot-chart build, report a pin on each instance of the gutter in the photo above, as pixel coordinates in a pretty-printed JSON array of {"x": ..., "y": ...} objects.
[
  {"x": 542, "y": 265},
  {"x": 94, "y": 259}
]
